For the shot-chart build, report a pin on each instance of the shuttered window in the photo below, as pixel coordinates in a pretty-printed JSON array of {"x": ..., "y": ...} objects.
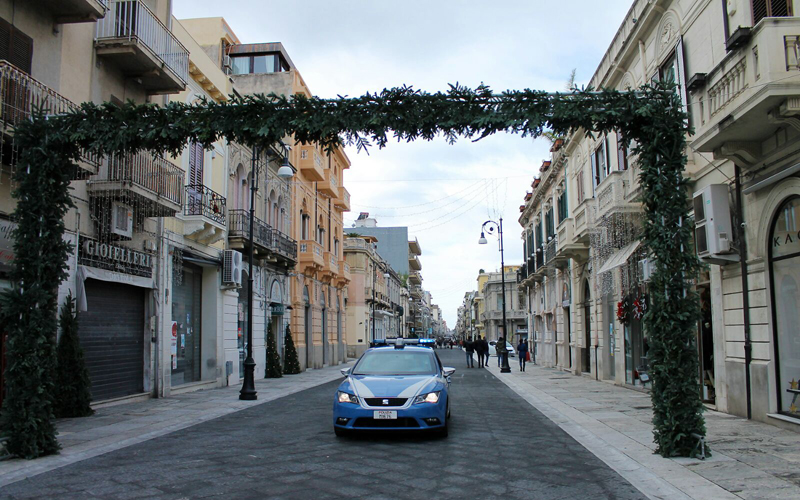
[
  {"x": 579, "y": 182},
  {"x": 196, "y": 157},
  {"x": 15, "y": 46},
  {"x": 770, "y": 8}
]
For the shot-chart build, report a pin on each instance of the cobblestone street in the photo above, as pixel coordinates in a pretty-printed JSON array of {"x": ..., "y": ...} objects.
[{"x": 286, "y": 449}]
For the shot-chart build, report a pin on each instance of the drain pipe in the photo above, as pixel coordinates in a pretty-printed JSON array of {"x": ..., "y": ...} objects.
[{"x": 748, "y": 348}]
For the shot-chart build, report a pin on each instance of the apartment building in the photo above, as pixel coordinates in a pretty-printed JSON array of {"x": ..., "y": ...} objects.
[
  {"x": 586, "y": 273},
  {"x": 495, "y": 302},
  {"x": 376, "y": 295},
  {"x": 63, "y": 53},
  {"x": 308, "y": 209}
]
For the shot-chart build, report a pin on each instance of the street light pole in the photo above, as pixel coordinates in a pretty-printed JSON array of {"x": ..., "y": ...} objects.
[
  {"x": 248, "y": 391},
  {"x": 491, "y": 227}
]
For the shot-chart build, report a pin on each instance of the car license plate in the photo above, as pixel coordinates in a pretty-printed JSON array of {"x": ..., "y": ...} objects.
[{"x": 385, "y": 415}]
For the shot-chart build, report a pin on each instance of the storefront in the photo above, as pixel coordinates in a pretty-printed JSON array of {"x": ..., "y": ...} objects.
[
  {"x": 186, "y": 343},
  {"x": 784, "y": 268},
  {"x": 114, "y": 285}
]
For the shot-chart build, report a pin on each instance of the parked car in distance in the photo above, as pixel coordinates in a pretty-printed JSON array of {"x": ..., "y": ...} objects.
[{"x": 493, "y": 349}]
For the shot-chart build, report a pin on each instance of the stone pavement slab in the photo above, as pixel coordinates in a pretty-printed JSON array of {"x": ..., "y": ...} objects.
[
  {"x": 122, "y": 425},
  {"x": 750, "y": 460}
]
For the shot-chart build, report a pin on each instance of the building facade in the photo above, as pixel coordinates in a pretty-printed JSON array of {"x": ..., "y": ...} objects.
[{"x": 586, "y": 274}]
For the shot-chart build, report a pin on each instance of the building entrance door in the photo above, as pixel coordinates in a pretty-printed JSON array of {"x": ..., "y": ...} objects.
[{"x": 587, "y": 329}]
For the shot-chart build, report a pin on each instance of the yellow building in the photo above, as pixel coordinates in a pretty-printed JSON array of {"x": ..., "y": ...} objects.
[{"x": 308, "y": 209}]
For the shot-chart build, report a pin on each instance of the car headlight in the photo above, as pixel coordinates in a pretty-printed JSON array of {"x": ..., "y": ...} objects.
[
  {"x": 345, "y": 397},
  {"x": 431, "y": 397}
]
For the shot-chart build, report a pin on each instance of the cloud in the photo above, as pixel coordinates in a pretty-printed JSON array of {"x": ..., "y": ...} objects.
[{"x": 350, "y": 47}]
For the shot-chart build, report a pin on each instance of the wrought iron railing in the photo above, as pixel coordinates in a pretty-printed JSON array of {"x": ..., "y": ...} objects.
[
  {"x": 550, "y": 250},
  {"x": 240, "y": 227},
  {"x": 284, "y": 245},
  {"x": 154, "y": 174},
  {"x": 200, "y": 200},
  {"x": 133, "y": 20},
  {"x": 22, "y": 94}
]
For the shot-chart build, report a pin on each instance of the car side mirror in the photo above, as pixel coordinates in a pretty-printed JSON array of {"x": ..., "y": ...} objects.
[
  {"x": 346, "y": 371},
  {"x": 447, "y": 371}
]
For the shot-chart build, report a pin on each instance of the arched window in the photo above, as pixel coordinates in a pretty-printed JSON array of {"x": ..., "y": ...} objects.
[{"x": 784, "y": 267}]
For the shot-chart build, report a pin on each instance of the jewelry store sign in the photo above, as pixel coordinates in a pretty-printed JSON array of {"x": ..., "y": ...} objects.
[{"x": 117, "y": 258}]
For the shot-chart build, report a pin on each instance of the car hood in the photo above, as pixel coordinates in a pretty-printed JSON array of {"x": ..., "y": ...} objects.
[{"x": 391, "y": 386}]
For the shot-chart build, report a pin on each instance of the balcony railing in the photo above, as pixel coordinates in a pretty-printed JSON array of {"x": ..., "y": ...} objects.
[
  {"x": 133, "y": 20},
  {"x": 240, "y": 228},
  {"x": 284, "y": 245},
  {"x": 21, "y": 95},
  {"x": 156, "y": 181},
  {"x": 200, "y": 200},
  {"x": 550, "y": 250}
]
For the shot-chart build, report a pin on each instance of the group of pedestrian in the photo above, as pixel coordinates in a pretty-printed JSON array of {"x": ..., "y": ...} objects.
[{"x": 480, "y": 347}]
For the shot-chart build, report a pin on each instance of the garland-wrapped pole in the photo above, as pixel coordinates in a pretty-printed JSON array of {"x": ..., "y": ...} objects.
[
  {"x": 42, "y": 194},
  {"x": 651, "y": 116}
]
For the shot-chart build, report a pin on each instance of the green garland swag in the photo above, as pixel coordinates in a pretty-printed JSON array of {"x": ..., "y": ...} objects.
[{"x": 651, "y": 116}]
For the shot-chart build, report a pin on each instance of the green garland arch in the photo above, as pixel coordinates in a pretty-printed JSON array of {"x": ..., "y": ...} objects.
[{"x": 651, "y": 116}]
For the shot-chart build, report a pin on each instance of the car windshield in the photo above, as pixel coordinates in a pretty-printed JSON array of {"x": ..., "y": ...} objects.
[{"x": 395, "y": 362}]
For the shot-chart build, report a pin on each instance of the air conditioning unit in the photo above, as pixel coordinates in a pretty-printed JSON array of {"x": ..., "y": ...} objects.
[
  {"x": 713, "y": 228},
  {"x": 121, "y": 220},
  {"x": 232, "y": 268},
  {"x": 646, "y": 269},
  {"x": 227, "y": 64}
]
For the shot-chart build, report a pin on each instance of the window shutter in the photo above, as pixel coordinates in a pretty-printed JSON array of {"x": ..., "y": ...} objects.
[
  {"x": 21, "y": 54},
  {"x": 196, "y": 157},
  {"x": 16, "y": 47},
  {"x": 595, "y": 173},
  {"x": 579, "y": 181}
]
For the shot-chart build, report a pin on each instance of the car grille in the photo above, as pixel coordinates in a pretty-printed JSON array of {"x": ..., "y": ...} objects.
[
  {"x": 378, "y": 423},
  {"x": 391, "y": 401}
]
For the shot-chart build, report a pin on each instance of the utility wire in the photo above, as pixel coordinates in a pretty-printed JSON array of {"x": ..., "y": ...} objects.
[{"x": 468, "y": 196}]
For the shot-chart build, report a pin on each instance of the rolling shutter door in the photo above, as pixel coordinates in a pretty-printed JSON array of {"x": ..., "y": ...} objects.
[{"x": 112, "y": 336}]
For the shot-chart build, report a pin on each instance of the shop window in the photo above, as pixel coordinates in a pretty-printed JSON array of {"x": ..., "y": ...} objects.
[
  {"x": 785, "y": 276},
  {"x": 186, "y": 324},
  {"x": 770, "y": 8}
]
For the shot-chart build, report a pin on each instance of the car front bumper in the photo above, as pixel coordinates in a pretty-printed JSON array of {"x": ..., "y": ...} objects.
[{"x": 412, "y": 418}]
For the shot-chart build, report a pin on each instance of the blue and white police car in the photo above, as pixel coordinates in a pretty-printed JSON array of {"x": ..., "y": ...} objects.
[{"x": 400, "y": 385}]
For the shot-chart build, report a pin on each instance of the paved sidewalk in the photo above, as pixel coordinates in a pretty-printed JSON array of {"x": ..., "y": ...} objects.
[
  {"x": 123, "y": 425},
  {"x": 751, "y": 460}
]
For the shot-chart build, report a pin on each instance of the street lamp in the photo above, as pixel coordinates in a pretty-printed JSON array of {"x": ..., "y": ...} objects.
[
  {"x": 490, "y": 226},
  {"x": 248, "y": 391}
]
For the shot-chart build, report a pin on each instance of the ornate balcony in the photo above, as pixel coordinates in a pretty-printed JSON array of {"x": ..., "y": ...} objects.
[
  {"x": 204, "y": 214},
  {"x": 20, "y": 95},
  {"x": 312, "y": 163},
  {"x": 612, "y": 195},
  {"x": 76, "y": 11},
  {"x": 330, "y": 266},
  {"x": 268, "y": 243},
  {"x": 310, "y": 257},
  {"x": 746, "y": 97},
  {"x": 152, "y": 184},
  {"x": 567, "y": 246},
  {"x": 329, "y": 185},
  {"x": 342, "y": 202},
  {"x": 134, "y": 39},
  {"x": 344, "y": 273}
]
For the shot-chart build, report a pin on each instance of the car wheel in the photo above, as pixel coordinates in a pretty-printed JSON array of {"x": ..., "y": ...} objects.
[
  {"x": 339, "y": 432},
  {"x": 448, "y": 412}
]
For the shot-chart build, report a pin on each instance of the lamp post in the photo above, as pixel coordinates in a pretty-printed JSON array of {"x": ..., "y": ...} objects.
[
  {"x": 248, "y": 391},
  {"x": 489, "y": 226}
]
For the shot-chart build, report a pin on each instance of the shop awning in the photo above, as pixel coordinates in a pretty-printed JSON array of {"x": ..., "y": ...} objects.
[{"x": 620, "y": 257}]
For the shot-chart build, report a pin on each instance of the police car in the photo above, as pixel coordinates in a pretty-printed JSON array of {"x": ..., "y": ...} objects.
[{"x": 399, "y": 385}]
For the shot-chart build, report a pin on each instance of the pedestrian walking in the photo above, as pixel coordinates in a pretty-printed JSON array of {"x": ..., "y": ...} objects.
[
  {"x": 479, "y": 346},
  {"x": 469, "y": 347},
  {"x": 501, "y": 350},
  {"x": 522, "y": 350},
  {"x": 485, "y": 352}
]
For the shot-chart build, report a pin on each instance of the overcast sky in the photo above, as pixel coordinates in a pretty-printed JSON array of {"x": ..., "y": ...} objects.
[{"x": 442, "y": 193}]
